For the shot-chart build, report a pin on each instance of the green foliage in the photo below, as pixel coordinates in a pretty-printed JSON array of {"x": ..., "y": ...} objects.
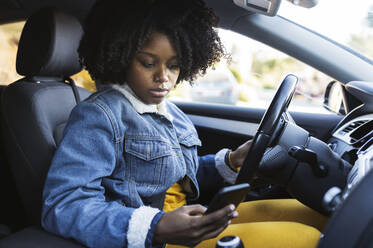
[
  {"x": 270, "y": 71},
  {"x": 236, "y": 74},
  {"x": 275, "y": 65},
  {"x": 268, "y": 86}
]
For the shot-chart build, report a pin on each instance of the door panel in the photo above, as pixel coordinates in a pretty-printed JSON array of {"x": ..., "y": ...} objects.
[{"x": 222, "y": 126}]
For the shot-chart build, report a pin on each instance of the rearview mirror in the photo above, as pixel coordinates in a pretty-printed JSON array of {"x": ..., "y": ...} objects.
[{"x": 265, "y": 7}]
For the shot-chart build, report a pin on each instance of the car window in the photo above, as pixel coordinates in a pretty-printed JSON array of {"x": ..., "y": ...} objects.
[
  {"x": 251, "y": 76},
  {"x": 347, "y": 22},
  {"x": 9, "y": 38}
]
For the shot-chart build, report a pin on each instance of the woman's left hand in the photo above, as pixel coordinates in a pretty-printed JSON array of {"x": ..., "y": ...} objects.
[{"x": 238, "y": 155}]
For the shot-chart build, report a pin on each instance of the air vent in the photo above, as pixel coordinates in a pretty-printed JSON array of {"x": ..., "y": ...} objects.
[
  {"x": 362, "y": 133},
  {"x": 352, "y": 126}
]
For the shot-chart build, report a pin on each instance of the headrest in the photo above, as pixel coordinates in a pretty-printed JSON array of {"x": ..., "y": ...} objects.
[{"x": 48, "y": 45}]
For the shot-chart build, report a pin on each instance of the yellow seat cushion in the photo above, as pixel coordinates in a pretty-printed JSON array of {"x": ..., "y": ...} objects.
[
  {"x": 279, "y": 223},
  {"x": 276, "y": 223}
]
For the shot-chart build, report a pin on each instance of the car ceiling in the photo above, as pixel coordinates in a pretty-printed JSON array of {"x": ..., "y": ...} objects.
[{"x": 15, "y": 10}]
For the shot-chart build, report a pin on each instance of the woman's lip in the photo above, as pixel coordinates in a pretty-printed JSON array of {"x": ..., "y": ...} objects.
[{"x": 159, "y": 92}]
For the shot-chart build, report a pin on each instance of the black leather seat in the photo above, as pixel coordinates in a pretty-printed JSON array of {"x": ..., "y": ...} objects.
[{"x": 36, "y": 107}]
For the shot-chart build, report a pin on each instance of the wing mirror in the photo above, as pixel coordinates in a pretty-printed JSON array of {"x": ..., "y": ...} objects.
[{"x": 333, "y": 98}]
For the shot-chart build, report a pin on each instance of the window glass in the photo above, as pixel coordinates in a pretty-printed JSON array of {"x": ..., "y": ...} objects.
[
  {"x": 9, "y": 37},
  {"x": 347, "y": 22},
  {"x": 251, "y": 76}
]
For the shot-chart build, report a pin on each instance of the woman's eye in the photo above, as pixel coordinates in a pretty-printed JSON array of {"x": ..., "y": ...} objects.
[
  {"x": 147, "y": 65},
  {"x": 174, "y": 67}
]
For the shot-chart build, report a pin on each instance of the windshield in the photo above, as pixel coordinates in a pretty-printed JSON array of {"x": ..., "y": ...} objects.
[{"x": 347, "y": 22}]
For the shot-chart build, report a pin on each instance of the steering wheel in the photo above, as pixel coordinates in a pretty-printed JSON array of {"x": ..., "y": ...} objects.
[{"x": 267, "y": 129}]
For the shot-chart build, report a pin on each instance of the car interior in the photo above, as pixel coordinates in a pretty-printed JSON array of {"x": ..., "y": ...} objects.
[
  {"x": 47, "y": 57},
  {"x": 35, "y": 109}
]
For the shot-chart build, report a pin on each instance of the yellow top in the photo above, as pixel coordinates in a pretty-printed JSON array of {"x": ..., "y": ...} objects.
[{"x": 175, "y": 198}]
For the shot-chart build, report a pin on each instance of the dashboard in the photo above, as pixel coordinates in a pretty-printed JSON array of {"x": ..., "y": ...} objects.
[{"x": 354, "y": 142}]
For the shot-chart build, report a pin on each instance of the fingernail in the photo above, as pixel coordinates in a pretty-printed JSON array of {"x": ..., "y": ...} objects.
[
  {"x": 235, "y": 214},
  {"x": 231, "y": 207},
  {"x": 229, "y": 222}
]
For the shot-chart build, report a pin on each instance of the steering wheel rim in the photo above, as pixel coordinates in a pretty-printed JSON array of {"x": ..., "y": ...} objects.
[{"x": 266, "y": 129}]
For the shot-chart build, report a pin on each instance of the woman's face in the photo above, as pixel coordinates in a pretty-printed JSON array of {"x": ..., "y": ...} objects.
[{"x": 154, "y": 70}]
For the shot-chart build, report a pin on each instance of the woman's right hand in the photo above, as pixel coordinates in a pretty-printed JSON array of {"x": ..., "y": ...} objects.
[{"x": 188, "y": 226}]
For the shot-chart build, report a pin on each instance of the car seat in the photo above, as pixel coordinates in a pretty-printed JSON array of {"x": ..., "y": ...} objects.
[{"x": 36, "y": 108}]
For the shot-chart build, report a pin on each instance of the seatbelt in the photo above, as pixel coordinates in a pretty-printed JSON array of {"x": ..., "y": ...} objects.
[{"x": 75, "y": 89}]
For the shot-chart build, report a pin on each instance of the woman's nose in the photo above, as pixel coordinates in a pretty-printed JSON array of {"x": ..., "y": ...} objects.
[{"x": 161, "y": 76}]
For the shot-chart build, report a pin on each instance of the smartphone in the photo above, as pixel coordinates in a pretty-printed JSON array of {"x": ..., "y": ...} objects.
[{"x": 234, "y": 194}]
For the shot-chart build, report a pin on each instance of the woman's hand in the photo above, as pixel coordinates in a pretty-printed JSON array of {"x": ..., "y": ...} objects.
[
  {"x": 238, "y": 155},
  {"x": 187, "y": 226}
]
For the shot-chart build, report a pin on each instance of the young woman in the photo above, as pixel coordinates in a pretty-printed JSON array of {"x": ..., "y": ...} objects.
[{"x": 128, "y": 164}]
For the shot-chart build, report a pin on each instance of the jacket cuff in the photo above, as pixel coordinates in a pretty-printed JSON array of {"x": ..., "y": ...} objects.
[
  {"x": 224, "y": 170},
  {"x": 140, "y": 225},
  {"x": 153, "y": 225}
]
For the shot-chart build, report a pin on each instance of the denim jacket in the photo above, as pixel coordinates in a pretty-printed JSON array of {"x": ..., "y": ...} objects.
[{"x": 109, "y": 175}]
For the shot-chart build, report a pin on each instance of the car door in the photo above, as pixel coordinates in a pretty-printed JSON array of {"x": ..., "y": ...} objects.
[{"x": 221, "y": 126}]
